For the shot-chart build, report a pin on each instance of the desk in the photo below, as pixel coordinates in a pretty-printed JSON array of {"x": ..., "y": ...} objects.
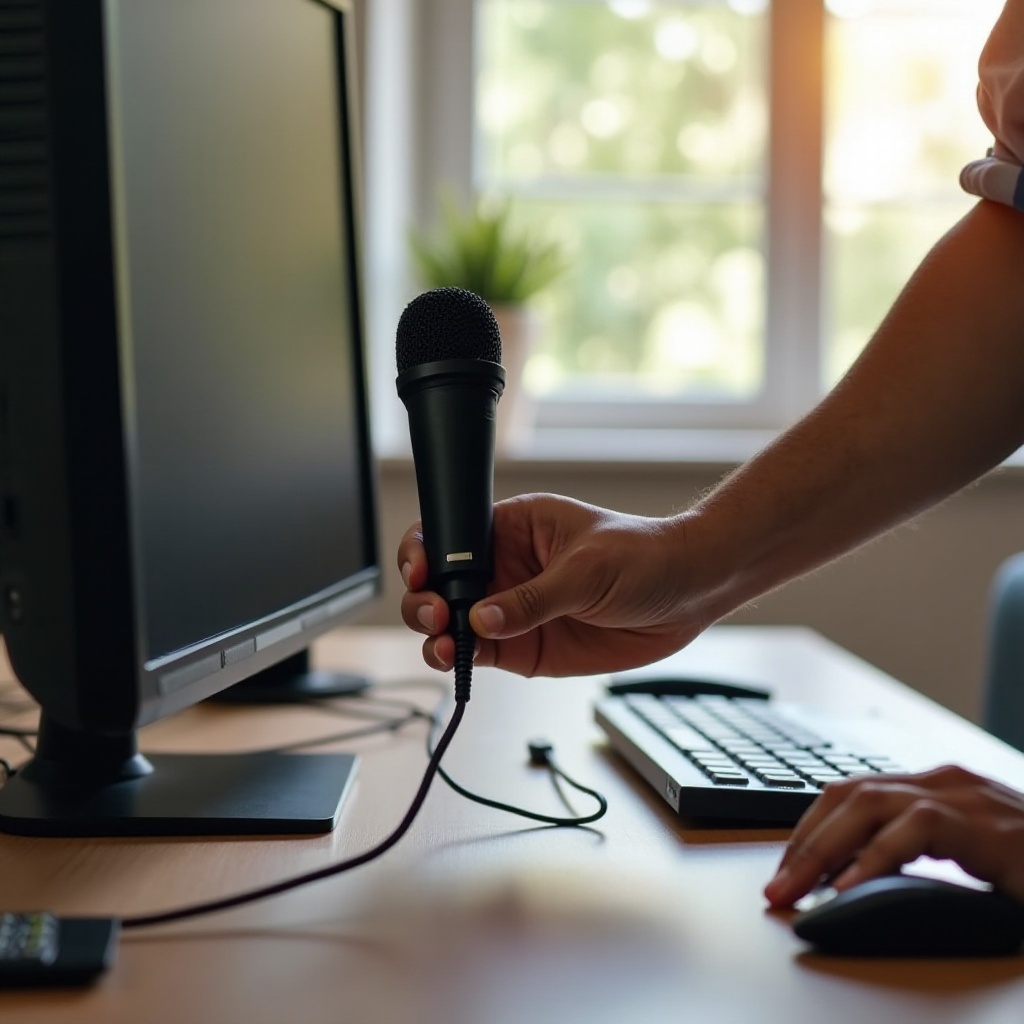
[{"x": 477, "y": 917}]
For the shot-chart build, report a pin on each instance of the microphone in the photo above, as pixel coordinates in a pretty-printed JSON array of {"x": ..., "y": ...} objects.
[{"x": 450, "y": 378}]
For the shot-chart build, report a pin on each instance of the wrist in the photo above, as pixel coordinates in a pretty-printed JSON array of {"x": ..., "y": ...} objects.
[{"x": 711, "y": 563}]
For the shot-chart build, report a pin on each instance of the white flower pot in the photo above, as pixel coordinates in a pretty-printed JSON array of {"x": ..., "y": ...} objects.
[{"x": 519, "y": 327}]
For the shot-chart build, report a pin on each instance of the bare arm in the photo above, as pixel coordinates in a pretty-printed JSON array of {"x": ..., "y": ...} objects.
[{"x": 935, "y": 400}]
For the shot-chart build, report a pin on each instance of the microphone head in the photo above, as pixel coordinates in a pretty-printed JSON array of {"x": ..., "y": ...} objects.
[{"x": 446, "y": 323}]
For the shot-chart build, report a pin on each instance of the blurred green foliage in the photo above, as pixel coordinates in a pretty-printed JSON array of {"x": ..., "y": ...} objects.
[
  {"x": 480, "y": 249},
  {"x": 635, "y": 132}
]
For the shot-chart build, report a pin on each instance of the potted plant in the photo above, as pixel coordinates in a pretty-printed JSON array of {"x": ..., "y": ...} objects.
[{"x": 479, "y": 248}]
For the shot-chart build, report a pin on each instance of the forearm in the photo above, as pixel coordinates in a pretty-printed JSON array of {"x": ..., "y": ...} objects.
[{"x": 935, "y": 400}]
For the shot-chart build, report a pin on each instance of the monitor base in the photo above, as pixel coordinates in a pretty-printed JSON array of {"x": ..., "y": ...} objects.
[
  {"x": 188, "y": 795},
  {"x": 293, "y": 681}
]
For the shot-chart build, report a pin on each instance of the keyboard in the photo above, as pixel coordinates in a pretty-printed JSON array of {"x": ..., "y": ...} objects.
[{"x": 742, "y": 759}]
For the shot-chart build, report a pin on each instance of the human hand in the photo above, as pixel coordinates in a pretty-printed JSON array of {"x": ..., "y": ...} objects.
[
  {"x": 577, "y": 589},
  {"x": 871, "y": 826}
]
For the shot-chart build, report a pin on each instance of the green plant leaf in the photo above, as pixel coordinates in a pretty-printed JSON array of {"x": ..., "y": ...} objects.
[{"x": 479, "y": 249}]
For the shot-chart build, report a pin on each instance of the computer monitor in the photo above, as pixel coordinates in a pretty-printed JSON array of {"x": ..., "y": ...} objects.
[{"x": 186, "y": 480}]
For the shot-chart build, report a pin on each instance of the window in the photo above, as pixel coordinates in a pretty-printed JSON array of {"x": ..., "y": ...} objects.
[
  {"x": 742, "y": 185},
  {"x": 901, "y": 122},
  {"x": 636, "y": 133}
]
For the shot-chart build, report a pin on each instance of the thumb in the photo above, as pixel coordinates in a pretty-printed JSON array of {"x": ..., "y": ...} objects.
[{"x": 513, "y": 612}]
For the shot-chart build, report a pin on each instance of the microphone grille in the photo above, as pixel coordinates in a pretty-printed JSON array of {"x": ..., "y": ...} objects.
[{"x": 446, "y": 323}]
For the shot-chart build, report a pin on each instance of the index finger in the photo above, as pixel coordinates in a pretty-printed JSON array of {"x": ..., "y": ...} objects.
[
  {"x": 412, "y": 558},
  {"x": 944, "y": 777},
  {"x": 830, "y": 836}
]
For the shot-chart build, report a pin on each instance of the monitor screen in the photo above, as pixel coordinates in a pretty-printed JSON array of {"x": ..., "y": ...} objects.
[
  {"x": 237, "y": 310},
  {"x": 189, "y": 476}
]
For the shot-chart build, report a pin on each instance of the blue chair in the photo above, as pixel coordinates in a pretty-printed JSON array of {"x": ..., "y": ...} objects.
[{"x": 1003, "y": 711}]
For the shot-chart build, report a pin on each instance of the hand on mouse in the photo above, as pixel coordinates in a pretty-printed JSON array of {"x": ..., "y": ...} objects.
[
  {"x": 577, "y": 589},
  {"x": 871, "y": 826}
]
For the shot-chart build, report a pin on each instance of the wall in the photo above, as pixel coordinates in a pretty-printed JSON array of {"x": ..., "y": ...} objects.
[{"x": 913, "y": 602}]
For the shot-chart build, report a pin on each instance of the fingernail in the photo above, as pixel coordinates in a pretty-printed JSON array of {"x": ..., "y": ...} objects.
[
  {"x": 406, "y": 574},
  {"x": 425, "y": 617},
  {"x": 491, "y": 618}
]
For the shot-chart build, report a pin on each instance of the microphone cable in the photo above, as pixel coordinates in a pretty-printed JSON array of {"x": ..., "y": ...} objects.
[
  {"x": 541, "y": 755},
  {"x": 274, "y": 889}
]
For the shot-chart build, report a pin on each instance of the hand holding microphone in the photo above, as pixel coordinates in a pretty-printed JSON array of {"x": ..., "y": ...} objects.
[{"x": 448, "y": 352}]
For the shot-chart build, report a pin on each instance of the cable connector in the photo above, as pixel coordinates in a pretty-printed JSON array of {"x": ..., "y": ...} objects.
[{"x": 465, "y": 651}]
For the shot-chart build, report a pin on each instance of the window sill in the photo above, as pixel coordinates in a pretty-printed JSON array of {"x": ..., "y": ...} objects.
[{"x": 711, "y": 451}]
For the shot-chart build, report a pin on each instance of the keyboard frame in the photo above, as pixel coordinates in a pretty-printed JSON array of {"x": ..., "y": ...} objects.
[{"x": 684, "y": 787}]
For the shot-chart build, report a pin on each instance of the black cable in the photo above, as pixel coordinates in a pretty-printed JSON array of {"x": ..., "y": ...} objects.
[
  {"x": 566, "y": 802},
  {"x": 227, "y": 902},
  {"x": 390, "y": 725},
  {"x": 372, "y": 697},
  {"x": 383, "y": 723},
  {"x": 23, "y": 736},
  {"x": 540, "y": 754},
  {"x": 374, "y": 708},
  {"x": 414, "y": 682},
  {"x": 414, "y": 713}
]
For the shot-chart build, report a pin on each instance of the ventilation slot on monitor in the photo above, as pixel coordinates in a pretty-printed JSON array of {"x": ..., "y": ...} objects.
[{"x": 24, "y": 179}]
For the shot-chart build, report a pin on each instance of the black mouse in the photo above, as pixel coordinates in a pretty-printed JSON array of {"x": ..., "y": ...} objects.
[{"x": 904, "y": 915}]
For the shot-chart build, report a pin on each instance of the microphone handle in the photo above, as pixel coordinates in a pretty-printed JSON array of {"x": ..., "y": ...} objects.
[{"x": 452, "y": 407}]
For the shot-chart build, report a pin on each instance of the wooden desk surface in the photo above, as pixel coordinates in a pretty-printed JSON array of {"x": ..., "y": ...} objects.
[{"x": 477, "y": 917}]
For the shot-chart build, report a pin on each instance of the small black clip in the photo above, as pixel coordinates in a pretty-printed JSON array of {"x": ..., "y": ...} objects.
[{"x": 540, "y": 753}]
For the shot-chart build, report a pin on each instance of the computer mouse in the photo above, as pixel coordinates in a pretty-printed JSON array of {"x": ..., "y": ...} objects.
[{"x": 906, "y": 915}]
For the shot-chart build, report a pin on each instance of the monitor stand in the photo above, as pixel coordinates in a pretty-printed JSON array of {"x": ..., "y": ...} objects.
[
  {"x": 292, "y": 681},
  {"x": 80, "y": 784}
]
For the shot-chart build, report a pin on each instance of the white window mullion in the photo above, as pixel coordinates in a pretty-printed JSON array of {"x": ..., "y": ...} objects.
[
  {"x": 794, "y": 233},
  {"x": 418, "y": 133},
  {"x": 446, "y": 100},
  {"x": 390, "y": 166}
]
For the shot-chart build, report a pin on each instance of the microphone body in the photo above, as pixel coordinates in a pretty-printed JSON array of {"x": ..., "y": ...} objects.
[
  {"x": 450, "y": 378},
  {"x": 452, "y": 407}
]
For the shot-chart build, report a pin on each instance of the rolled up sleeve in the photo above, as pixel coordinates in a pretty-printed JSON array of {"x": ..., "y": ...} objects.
[{"x": 999, "y": 175}]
